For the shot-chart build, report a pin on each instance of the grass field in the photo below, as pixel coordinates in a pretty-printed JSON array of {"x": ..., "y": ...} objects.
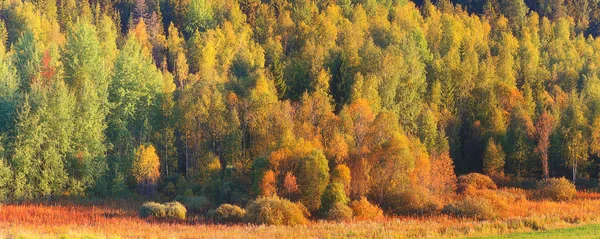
[
  {"x": 583, "y": 232},
  {"x": 119, "y": 219}
]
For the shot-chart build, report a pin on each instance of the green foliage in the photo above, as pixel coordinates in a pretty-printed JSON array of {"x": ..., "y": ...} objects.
[
  {"x": 199, "y": 16},
  {"x": 313, "y": 177},
  {"x": 558, "y": 189},
  {"x": 275, "y": 211},
  {"x": 334, "y": 193}
]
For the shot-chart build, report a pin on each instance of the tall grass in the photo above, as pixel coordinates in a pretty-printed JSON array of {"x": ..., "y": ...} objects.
[{"x": 118, "y": 219}]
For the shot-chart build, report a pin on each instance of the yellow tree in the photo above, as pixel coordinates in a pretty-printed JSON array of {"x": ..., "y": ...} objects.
[{"x": 146, "y": 167}]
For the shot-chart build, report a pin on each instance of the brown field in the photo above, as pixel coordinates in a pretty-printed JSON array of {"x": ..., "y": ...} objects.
[{"x": 119, "y": 219}]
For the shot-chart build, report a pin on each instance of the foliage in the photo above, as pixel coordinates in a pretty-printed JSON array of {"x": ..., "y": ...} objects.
[
  {"x": 146, "y": 166},
  {"x": 175, "y": 210},
  {"x": 274, "y": 211},
  {"x": 558, "y": 189},
  {"x": 334, "y": 193},
  {"x": 313, "y": 177},
  {"x": 364, "y": 210},
  {"x": 153, "y": 210},
  {"x": 195, "y": 204},
  {"x": 340, "y": 212},
  {"x": 230, "y": 213},
  {"x": 493, "y": 158},
  {"x": 475, "y": 181},
  {"x": 170, "y": 211}
]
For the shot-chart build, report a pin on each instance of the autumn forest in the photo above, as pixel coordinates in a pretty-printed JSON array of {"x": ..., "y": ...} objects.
[{"x": 283, "y": 112}]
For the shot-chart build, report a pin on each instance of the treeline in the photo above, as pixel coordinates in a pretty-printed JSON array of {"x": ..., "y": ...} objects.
[{"x": 238, "y": 99}]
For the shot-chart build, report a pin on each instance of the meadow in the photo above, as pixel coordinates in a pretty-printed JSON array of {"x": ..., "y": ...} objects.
[{"x": 119, "y": 219}]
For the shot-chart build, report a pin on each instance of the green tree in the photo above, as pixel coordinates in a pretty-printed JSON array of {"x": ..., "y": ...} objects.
[
  {"x": 313, "y": 177},
  {"x": 87, "y": 78},
  {"x": 198, "y": 17},
  {"x": 134, "y": 95}
]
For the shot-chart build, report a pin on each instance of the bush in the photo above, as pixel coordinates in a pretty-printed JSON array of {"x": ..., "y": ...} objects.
[
  {"x": 275, "y": 211},
  {"x": 339, "y": 212},
  {"x": 364, "y": 210},
  {"x": 195, "y": 204},
  {"x": 229, "y": 213},
  {"x": 558, "y": 189},
  {"x": 472, "y": 207},
  {"x": 175, "y": 210},
  {"x": 152, "y": 210},
  {"x": 172, "y": 210},
  {"x": 334, "y": 193},
  {"x": 474, "y": 181},
  {"x": 416, "y": 201}
]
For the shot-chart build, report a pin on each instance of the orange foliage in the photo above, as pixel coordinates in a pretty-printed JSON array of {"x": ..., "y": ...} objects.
[
  {"x": 267, "y": 184},
  {"x": 443, "y": 179},
  {"x": 290, "y": 186}
]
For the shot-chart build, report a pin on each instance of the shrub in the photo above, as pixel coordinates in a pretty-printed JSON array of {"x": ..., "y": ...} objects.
[
  {"x": 472, "y": 207},
  {"x": 195, "y": 204},
  {"x": 334, "y": 193},
  {"x": 230, "y": 213},
  {"x": 175, "y": 210},
  {"x": 152, "y": 210},
  {"x": 474, "y": 181},
  {"x": 558, "y": 189},
  {"x": 339, "y": 212},
  {"x": 416, "y": 201},
  {"x": 275, "y": 211},
  {"x": 172, "y": 210},
  {"x": 364, "y": 210}
]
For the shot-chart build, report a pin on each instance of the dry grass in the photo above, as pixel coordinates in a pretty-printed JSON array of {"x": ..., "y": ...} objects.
[{"x": 120, "y": 220}]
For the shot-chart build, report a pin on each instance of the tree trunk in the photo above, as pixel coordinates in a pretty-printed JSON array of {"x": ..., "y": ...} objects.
[
  {"x": 574, "y": 172},
  {"x": 546, "y": 171}
]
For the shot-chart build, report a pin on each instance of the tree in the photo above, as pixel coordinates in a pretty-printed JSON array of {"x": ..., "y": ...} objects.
[
  {"x": 5, "y": 174},
  {"x": 334, "y": 193},
  {"x": 198, "y": 17},
  {"x": 87, "y": 78},
  {"x": 313, "y": 177},
  {"x": 544, "y": 128},
  {"x": 515, "y": 11},
  {"x": 146, "y": 166},
  {"x": 493, "y": 158},
  {"x": 9, "y": 86},
  {"x": 134, "y": 94},
  {"x": 573, "y": 129},
  {"x": 519, "y": 141}
]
